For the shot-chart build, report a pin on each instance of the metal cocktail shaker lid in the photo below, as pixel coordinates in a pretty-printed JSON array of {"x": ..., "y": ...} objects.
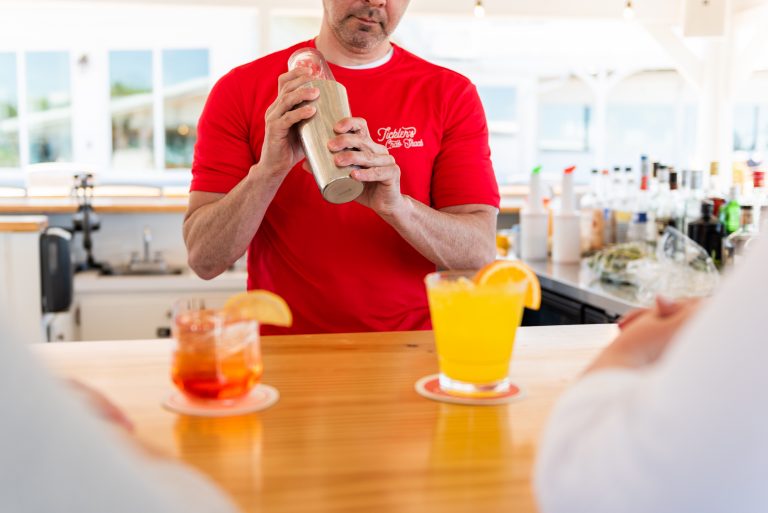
[{"x": 335, "y": 183}]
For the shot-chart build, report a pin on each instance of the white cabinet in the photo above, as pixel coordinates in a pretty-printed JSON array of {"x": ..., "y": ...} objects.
[
  {"x": 20, "y": 300},
  {"x": 139, "y": 307}
]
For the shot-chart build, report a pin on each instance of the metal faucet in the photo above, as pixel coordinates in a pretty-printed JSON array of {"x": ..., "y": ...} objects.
[{"x": 147, "y": 241}]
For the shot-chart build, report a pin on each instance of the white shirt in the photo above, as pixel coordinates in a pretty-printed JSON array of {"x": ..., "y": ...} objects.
[
  {"x": 56, "y": 456},
  {"x": 689, "y": 434}
]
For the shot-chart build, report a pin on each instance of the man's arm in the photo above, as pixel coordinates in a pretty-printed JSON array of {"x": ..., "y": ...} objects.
[
  {"x": 457, "y": 237},
  {"x": 219, "y": 227}
]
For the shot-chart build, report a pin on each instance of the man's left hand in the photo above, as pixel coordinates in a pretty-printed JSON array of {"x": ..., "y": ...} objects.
[
  {"x": 646, "y": 335},
  {"x": 378, "y": 170}
]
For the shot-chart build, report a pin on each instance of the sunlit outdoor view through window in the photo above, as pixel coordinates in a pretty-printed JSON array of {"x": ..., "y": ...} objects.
[
  {"x": 130, "y": 79},
  {"x": 185, "y": 88},
  {"x": 49, "y": 107},
  {"x": 9, "y": 112}
]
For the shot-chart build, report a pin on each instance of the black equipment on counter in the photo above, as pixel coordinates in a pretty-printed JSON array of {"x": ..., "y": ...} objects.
[
  {"x": 56, "y": 271},
  {"x": 86, "y": 220}
]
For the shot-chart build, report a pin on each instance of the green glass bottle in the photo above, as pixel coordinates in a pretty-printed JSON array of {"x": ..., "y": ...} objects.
[{"x": 731, "y": 212}]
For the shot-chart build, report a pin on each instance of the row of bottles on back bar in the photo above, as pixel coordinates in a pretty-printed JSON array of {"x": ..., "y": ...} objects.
[{"x": 620, "y": 208}]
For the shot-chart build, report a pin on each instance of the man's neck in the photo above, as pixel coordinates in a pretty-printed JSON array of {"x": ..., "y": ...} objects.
[{"x": 337, "y": 54}]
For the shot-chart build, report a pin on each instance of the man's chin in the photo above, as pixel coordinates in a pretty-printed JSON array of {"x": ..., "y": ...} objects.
[{"x": 364, "y": 40}]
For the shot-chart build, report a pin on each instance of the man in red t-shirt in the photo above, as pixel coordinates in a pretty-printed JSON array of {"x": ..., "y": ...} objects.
[{"x": 420, "y": 138}]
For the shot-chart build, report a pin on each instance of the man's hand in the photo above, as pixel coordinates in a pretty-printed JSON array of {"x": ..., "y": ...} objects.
[
  {"x": 281, "y": 149},
  {"x": 378, "y": 170},
  {"x": 645, "y": 335}
]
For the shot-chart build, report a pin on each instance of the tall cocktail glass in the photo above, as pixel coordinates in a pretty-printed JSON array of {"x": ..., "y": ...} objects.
[{"x": 474, "y": 327}]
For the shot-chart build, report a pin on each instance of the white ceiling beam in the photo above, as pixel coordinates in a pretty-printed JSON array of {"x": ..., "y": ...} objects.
[{"x": 686, "y": 61}]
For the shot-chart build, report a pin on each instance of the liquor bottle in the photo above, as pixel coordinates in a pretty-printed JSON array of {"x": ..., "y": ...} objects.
[
  {"x": 609, "y": 224},
  {"x": 708, "y": 232},
  {"x": 760, "y": 208},
  {"x": 668, "y": 203},
  {"x": 592, "y": 230},
  {"x": 653, "y": 183},
  {"x": 730, "y": 213},
  {"x": 693, "y": 198},
  {"x": 623, "y": 206},
  {"x": 645, "y": 166},
  {"x": 714, "y": 187},
  {"x": 737, "y": 243}
]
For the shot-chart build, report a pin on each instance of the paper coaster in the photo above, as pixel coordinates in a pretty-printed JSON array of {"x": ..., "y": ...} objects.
[
  {"x": 429, "y": 387},
  {"x": 260, "y": 398}
]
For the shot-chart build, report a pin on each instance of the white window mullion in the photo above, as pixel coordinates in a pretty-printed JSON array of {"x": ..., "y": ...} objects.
[
  {"x": 21, "y": 97},
  {"x": 158, "y": 112}
]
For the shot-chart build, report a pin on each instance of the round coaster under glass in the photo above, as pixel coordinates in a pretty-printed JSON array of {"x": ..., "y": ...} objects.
[
  {"x": 259, "y": 398},
  {"x": 429, "y": 387}
]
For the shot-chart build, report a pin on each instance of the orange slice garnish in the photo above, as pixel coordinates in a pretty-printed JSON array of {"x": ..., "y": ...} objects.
[
  {"x": 500, "y": 272},
  {"x": 261, "y": 305}
]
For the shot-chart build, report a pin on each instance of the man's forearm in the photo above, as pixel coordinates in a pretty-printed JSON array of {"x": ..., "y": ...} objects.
[
  {"x": 451, "y": 240},
  {"x": 218, "y": 233}
]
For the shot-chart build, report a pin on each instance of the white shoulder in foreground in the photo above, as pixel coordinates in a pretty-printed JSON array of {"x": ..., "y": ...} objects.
[
  {"x": 56, "y": 456},
  {"x": 689, "y": 434}
]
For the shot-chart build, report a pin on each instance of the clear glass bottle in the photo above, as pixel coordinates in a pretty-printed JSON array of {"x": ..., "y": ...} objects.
[
  {"x": 693, "y": 199},
  {"x": 668, "y": 205},
  {"x": 592, "y": 229},
  {"x": 737, "y": 243},
  {"x": 714, "y": 187}
]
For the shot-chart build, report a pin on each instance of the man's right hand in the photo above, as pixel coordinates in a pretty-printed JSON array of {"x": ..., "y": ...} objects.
[{"x": 282, "y": 150}]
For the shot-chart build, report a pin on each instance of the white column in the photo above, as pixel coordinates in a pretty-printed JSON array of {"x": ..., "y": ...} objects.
[
  {"x": 91, "y": 128},
  {"x": 528, "y": 121},
  {"x": 265, "y": 30},
  {"x": 599, "y": 124},
  {"x": 715, "y": 132}
]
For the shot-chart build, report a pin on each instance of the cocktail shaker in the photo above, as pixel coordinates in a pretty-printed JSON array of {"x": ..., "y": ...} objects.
[{"x": 332, "y": 105}]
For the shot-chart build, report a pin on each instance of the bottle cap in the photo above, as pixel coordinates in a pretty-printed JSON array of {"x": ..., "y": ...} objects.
[
  {"x": 759, "y": 178},
  {"x": 707, "y": 208}
]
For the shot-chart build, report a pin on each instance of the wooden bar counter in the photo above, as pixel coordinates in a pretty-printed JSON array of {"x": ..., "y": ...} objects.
[{"x": 349, "y": 433}]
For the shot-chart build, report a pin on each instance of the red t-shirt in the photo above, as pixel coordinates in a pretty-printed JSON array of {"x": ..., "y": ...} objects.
[{"x": 341, "y": 268}]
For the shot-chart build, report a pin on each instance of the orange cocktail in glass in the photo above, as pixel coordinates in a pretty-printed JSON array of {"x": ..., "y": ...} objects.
[
  {"x": 475, "y": 316},
  {"x": 217, "y": 355}
]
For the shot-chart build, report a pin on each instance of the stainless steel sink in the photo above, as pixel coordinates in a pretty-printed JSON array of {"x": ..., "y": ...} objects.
[
  {"x": 146, "y": 266},
  {"x": 128, "y": 270}
]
